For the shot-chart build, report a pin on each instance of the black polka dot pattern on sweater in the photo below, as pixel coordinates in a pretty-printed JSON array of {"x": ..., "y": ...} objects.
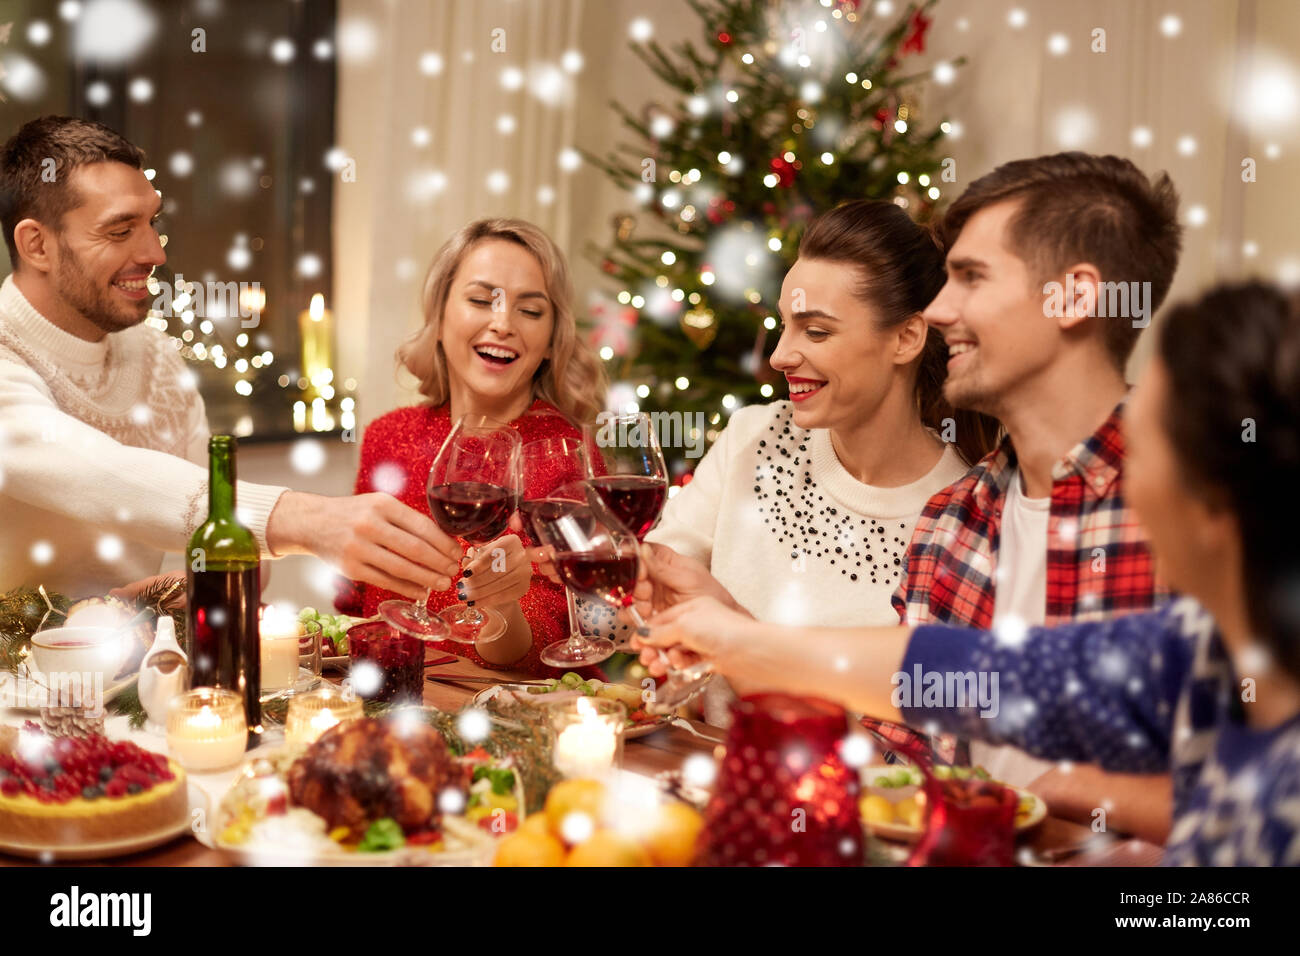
[{"x": 827, "y": 535}]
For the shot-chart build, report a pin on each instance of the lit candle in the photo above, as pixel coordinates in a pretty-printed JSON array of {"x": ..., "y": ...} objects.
[
  {"x": 315, "y": 328},
  {"x": 279, "y": 633},
  {"x": 206, "y": 729},
  {"x": 300, "y": 416},
  {"x": 310, "y": 715},
  {"x": 589, "y": 737}
]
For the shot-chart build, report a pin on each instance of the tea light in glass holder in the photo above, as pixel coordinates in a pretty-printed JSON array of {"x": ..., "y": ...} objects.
[
  {"x": 588, "y": 736},
  {"x": 310, "y": 715},
  {"x": 279, "y": 632},
  {"x": 206, "y": 729}
]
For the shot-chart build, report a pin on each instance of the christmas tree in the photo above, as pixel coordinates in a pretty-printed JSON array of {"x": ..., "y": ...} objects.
[{"x": 784, "y": 110}]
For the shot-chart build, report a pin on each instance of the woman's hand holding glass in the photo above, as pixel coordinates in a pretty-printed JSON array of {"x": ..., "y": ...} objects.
[{"x": 499, "y": 572}]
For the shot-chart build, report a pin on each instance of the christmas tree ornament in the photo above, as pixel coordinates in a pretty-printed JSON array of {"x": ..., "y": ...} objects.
[
  {"x": 784, "y": 170},
  {"x": 624, "y": 225},
  {"x": 915, "y": 42},
  {"x": 700, "y": 325},
  {"x": 613, "y": 325}
]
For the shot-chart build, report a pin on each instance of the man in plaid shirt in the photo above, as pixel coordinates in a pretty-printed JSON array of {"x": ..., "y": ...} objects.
[
  {"x": 1097, "y": 562},
  {"x": 1038, "y": 532}
]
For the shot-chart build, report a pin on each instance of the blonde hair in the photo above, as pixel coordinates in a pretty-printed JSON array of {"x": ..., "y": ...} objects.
[{"x": 572, "y": 379}]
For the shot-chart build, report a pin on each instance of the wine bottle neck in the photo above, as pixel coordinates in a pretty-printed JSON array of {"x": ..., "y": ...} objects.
[{"x": 221, "y": 477}]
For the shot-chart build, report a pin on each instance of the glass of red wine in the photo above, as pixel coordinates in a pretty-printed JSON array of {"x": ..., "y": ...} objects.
[
  {"x": 626, "y": 470},
  {"x": 473, "y": 489},
  {"x": 554, "y": 470},
  {"x": 597, "y": 558},
  {"x": 594, "y": 554}
]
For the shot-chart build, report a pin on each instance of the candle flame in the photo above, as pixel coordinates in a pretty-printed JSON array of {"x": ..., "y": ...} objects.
[
  {"x": 206, "y": 717},
  {"x": 317, "y": 310},
  {"x": 324, "y": 720}
]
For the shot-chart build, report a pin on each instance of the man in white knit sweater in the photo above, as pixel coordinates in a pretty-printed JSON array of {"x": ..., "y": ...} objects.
[{"x": 103, "y": 434}]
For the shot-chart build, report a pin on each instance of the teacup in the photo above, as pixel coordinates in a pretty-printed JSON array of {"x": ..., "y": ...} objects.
[{"x": 81, "y": 650}]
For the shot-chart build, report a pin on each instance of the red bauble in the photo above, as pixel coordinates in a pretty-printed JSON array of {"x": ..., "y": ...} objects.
[
  {"x": 784, "y": 795},
  {"x": 724, "y": 38},
  {"x": 785, "y": 171},
  {"x": 720, "y": 210}
]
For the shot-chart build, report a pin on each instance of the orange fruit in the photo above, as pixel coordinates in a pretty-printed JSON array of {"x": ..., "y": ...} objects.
[
  {"x": 909, "y": 812},
  {"x": 672, "y": 841},
  {"x": 607, "y": 848},
  {"x": 536, "y": 823},
  {"x": 574, "y": 796},
  {"x": 529, "y": 848},
  {"x": 876, "y": 809}
]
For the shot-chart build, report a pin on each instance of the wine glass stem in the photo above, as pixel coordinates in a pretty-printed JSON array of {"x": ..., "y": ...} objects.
[
  {"x": 422, "y": 606},
  {"x": 575, "y": 631},
  {"x": 641, "y": 627}
]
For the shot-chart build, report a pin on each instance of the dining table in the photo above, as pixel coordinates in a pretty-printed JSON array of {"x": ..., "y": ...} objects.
[{"x": 1054, "y": 842}]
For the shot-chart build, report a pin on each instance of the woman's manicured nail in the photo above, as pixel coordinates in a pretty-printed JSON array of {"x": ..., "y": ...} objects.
[{"x": 468, "y": 573}]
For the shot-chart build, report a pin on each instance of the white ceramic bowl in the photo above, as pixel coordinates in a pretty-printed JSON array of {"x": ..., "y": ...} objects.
[{"x": 81, "y": 650}]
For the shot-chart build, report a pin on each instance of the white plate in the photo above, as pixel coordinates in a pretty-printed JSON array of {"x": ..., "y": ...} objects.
[
  {"x": 110, "y": 848},
  {"x": 406, "y": 856},
  {"x": 22, "y": 693}
]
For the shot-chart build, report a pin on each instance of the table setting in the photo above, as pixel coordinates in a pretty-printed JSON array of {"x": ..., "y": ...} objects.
[{"x": 436, "y": 760}]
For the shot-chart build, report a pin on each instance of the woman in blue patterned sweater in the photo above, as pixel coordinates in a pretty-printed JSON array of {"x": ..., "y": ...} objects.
[{"x": 1207, "y": 686}]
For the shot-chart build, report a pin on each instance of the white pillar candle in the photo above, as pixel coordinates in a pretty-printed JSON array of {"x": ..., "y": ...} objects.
[{"x": 279, "y": 638}]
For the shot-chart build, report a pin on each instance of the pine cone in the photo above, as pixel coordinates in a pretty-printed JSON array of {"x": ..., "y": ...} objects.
[{"x": 71, "y": 722}]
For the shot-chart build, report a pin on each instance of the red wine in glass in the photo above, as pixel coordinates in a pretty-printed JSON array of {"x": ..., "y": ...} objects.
[
  {"x": 472, "y": 490},
  {"x": 542, "y": 510},
  {"x": 608, "y": 578},
  {"x": 474, "y": 510},
  {"x": 553, "y": 472},
  {"x": 635, "y": 500},
  {"x": 626, "y": 469}
]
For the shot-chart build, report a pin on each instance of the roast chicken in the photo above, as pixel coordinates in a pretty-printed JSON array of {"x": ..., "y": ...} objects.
[{"x": 361, "y": 771}]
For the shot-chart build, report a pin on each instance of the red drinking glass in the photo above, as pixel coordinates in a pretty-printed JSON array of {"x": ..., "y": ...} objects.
[
  {"x": 386, "y": 664},
  {"x": 969, "y": 822},
  {"x": 784, "y": 794}
]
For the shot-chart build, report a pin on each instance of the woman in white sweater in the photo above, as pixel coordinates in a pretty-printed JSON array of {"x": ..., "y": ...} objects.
[{"x": 803, "y": 509}]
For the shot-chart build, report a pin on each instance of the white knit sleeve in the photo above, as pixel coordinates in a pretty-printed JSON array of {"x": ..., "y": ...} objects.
[{"x": 52, "y": 460}]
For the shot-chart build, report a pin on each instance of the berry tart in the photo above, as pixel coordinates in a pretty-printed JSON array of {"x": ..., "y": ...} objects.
[{"x": 72, "y": 791}]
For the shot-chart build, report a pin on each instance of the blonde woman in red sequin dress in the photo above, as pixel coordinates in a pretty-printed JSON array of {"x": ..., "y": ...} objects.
[{"x": 499, "y": 339}]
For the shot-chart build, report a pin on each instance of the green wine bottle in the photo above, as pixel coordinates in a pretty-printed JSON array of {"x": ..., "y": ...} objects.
[{"x": 224, "y": 590}]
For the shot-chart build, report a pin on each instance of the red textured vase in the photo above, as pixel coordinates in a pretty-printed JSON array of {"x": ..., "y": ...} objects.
[{"x": 784, "y": 796}]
